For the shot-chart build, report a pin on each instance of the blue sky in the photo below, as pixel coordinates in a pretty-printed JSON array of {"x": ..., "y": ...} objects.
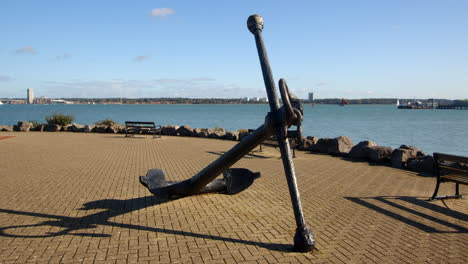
[{"x": 199, "y": 49}]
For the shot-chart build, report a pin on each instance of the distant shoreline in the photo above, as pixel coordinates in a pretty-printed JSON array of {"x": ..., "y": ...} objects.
[{"x": 224, "y": 101}]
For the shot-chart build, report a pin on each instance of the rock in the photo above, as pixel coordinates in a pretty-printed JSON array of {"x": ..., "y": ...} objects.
[
  {"x": 99, "y": 129},
  {"x": 335, "y": 146},
  {"x": 220, "y": 130},
  {"x": 185, "y": 131},
  {"x": 24, "y": 126},
  {"x": 243, "y": 135},
  {"x": 378, "y": 153},
  {"x": 322, "y": 145},
  {"x": 359, "y": 151},
  {"x": 88, "y": 128},
  {"x": 40, "y": 127},
  {"x": 422, "y": 164},
  {"x": 115, "y": 128},
  {"x": 121, "y": 128},
  {"x": 418, "y": 151},
  {"x": 201, "y": 132},
  {"x": 232, "y": 135},
  {"x": 217, "y": 133},
  {"x": 401, "y": 155},
  {"x": 77, "y": 127},
  {"x": 341, "y": 146},
  {"x": 6, "y": 128},
  {"x": 307, "y": 143},
  {"x": 52, "y": 128},
  {"x": 67, "y": 128},
  {"x": 169, "y": 130}
]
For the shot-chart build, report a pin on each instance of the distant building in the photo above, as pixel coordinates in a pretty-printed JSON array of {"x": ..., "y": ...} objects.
[
  {"x": 41, "y": 100},
  {"x": 30, "y": 96},
  {"x": 311, "y": 97},
  {"x": 263, "y": 99},
  {"x": 60, "y": 101}
]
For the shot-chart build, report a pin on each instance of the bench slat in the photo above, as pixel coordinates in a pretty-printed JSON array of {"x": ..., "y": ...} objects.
[
  {"x": 139, "y": 122},
  {"x": 455, "y": 178},
  {"x": 138, "y": 126},
  {"x": 447, "y": 157},
  {"x": 451, "y": 170}
]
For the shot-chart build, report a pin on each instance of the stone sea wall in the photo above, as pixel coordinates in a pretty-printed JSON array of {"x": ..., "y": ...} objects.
[{"x": 404, "y": 157}]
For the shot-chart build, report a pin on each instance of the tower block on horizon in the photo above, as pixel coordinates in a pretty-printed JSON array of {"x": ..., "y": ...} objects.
[{"x": 30, "y": 96}]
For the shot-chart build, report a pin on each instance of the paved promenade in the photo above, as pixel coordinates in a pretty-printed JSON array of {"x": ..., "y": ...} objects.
[{"x": 75, "y": 198}]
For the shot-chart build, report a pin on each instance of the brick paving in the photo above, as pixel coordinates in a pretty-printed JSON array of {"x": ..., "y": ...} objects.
[{"x": 75, "y": 198}]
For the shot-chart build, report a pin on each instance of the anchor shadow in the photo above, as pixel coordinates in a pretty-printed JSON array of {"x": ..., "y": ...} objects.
[{"x": 113, "y": 208}]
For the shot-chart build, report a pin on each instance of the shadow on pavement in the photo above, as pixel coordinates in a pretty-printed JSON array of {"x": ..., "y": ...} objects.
[
  {"x": 113, "y": 208},
  {"x": 250, "y": 155},
  {"x": 414, "y": 211}
]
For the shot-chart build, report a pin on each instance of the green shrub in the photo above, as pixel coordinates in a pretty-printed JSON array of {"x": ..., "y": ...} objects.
[
  {"x": 106, "y": 122},
  {"x": 60, "y": 119}
]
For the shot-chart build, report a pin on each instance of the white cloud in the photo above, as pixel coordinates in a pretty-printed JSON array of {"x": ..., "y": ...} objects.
[
  {"x": 141, "y": 58},
  {"x": 26, "y": 50},
  {"x": 162, "y": 12},
  {"x": 5, "y": 78},
  {"x": 200, "y": 87}
]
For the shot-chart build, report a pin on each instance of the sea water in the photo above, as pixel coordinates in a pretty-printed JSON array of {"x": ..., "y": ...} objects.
[{"x": 430, "y": 129}]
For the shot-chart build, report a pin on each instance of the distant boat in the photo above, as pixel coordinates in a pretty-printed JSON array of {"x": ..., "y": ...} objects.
[
  {"x": 344, "y": 102},
  {"x": 1, "y": 103},
  {"x": 397, "y": 102},
  {"x": 415, "y": 105}
]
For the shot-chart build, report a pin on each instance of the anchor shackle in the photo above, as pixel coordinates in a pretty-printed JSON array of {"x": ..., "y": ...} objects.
[{"x": 293, "y": 113}]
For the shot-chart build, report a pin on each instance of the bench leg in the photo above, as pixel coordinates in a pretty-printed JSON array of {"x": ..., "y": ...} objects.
[
  {"x": 456, "y": 196},
  {"x": 435, "y": 191}
]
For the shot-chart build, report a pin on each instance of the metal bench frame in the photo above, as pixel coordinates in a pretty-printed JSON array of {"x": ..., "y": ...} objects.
[
  {"x": 273, "y": 142},
  {"x": 135, "y": 127},
  {"x": 449, "y": 173}
]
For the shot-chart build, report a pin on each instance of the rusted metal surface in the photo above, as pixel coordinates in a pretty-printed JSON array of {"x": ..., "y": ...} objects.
[
  {"x": 284, "y": 118},
  {"x": 277, "y": 122}
]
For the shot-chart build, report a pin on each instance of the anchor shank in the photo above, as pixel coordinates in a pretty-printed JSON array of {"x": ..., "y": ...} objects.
[
  {"x": 266, "y": 71},
  {"x": 206, "y": 175},
  {"x": 290, "y": 177}
]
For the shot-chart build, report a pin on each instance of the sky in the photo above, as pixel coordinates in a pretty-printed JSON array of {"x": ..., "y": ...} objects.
[{"x": 202, "y": 49}]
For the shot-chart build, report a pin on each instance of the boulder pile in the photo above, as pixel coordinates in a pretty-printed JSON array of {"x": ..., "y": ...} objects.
[{"x": 404, "y": 157}]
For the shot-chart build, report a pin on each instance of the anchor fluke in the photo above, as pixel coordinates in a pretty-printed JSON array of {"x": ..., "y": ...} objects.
[{"x": 234, "y": 181}]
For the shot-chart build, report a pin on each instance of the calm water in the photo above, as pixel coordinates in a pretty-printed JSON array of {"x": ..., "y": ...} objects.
[{"x": 431, "y": 130}]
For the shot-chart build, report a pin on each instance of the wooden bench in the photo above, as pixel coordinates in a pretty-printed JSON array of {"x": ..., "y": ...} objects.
[
  {"x": 136, "y": 127},
  {"x": 273, "y": 142},
  {"x": 450, "y": 168}
]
